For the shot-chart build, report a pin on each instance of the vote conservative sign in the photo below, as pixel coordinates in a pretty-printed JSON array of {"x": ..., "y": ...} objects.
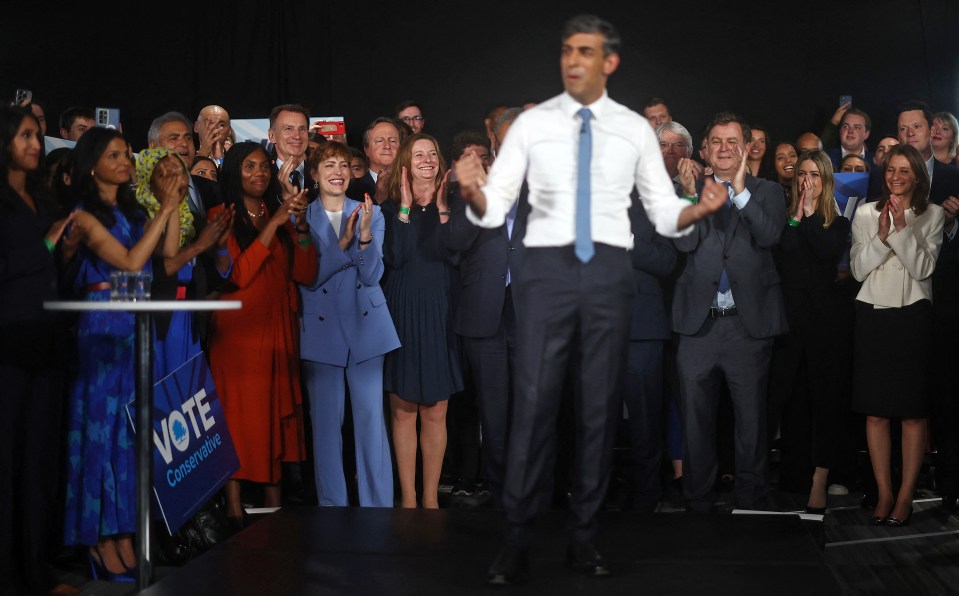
[{"x": 193, "y": 454}]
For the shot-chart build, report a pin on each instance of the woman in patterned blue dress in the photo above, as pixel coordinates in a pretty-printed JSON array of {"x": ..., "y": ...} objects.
[{"x": 114, "y": 234}]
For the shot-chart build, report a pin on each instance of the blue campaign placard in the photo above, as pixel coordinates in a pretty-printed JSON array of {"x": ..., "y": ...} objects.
[
  {"x": 193, "y": 454},
  {"x": 850, "y": 185}
]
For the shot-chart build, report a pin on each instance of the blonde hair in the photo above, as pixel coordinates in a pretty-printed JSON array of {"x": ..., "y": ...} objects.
[{"x": 827, "y": 200}]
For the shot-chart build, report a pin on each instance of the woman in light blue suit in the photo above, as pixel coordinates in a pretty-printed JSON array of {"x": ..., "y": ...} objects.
[{"x": 346, "y": 331}]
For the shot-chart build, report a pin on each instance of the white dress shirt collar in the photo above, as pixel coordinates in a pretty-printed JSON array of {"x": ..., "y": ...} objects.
[{"x": 570, "y": 106}]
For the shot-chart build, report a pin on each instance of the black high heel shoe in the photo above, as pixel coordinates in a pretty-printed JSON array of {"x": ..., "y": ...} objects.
[
  {"x": 895, "y": 522},
  {"x": 99, "y": 571}
]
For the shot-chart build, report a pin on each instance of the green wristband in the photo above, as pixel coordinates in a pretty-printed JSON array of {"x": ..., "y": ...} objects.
[
  {"x": 405, "y": 210},
  {"x": 305, "y": 241},
  {"x": 793, "y": 223},
  {"x": 50, "y": 246},
  {"x": 691, "y": 199}
]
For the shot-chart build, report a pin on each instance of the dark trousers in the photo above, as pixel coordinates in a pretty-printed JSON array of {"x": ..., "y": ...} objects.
[
  {"x": 643, "y": 395},
  {"x": 723, "y": 349},
  {"x": 807, "y": 374},
  {"x": 569, "y": 314},
  {"x": 491, "y": 362},
  {"x": 30, "y": 444}
]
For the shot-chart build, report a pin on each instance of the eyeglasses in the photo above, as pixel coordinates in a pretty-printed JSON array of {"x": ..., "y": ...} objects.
[
  {"x": 672, "y": 144},
  {"x": 409, "y": 119}
]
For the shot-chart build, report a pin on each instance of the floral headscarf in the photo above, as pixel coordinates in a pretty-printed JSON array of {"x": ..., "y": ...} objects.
[{"x": 146, "y": 164}]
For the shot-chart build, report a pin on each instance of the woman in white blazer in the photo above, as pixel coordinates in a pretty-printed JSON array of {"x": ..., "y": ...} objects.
[{"x": 895, "y": 243}]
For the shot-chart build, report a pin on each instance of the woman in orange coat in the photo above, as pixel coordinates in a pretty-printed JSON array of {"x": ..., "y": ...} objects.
[{"x": 254, "y": 355}]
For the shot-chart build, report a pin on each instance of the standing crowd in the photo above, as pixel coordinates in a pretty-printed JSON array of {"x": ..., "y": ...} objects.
[{"x": 374, "y": 290}]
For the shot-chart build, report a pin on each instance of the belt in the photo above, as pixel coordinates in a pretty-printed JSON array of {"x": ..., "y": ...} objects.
[
  {"x": 103, "y": 285},
  {"x": 717, "y": 313}
]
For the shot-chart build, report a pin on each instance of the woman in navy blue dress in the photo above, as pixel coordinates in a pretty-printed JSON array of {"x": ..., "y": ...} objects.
[
  {"x": 114, "y": 235},
  {"x": 424, "y": 372}
]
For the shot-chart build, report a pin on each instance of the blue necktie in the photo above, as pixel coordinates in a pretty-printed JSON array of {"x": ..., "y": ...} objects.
[
  {"x": 727, "y": 211},
  {"x": 584, "y": 239}
]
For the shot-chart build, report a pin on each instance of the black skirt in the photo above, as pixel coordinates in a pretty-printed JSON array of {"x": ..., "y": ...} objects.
[{"x": 891, "y": 361}]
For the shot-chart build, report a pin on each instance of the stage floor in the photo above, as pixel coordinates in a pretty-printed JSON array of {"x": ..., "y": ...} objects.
[{"x": 311, "y": 550}]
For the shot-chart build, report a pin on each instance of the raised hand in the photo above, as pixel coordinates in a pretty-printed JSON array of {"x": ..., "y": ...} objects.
[
  {"x": 382, "y": 185},
  {"x": 471, "y": 175},
  {"x": 350, "y": 231},
  {"x": 230, "y": 214},
  {"x": 689, "y": 173},
  {"x": 884, "y": 224},
  {"x": 366, "y": 219},
  {"x": 406, "y": 194},
  {"x": 168, "y": 186},
  {"x": 442, "y": 200},
  {"x": 284, "y": 176},
  {"x": 739, "y": 179},
  {"x": 898, "y": 212},
  {"x": 805, "y": 199},
  {"x": 211, "y": 139},
  {"x": 214, "y": 230},
  {"x": 951, "y": 207},
  {"x": 840, "y": 112},
  {"x": 294, "y": 206}
]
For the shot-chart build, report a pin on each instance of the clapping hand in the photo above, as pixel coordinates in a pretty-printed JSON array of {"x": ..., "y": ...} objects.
[
  {"x": 294, "y": 206},
  {"x": 898, "y": 212},
  {"x": 690, "y": 172},
  {"x": 289, "y": 166},
  {"x": 382, "y": 185},
  {"x": 739, "y": 179},
  {"x": 442, "y": 200},
  {"x": 951, "y": 208},
  {"x": 884, "y": 222},
  {"x": 406, "y": 194}
]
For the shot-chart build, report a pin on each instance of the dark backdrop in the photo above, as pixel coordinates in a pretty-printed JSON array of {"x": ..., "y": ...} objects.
[{"x": 782, "y": 64}]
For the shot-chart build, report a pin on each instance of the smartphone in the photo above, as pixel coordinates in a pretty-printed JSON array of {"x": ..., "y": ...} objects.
[
  {"x": 108, "y": 118},
  {"x": 22, "y": 96},
  {"x": 844, "y": 99}
]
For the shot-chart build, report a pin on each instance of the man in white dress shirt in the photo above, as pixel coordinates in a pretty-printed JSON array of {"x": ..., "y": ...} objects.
[{"x": 574, "y": 295}]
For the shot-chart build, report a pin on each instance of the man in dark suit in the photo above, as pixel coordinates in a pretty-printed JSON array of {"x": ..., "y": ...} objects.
[
  {"x": 484, "y": 316},
  {"x": 653, "y": 258},
  {"x": 727, "y": 307},
  {"x": 381, "y": 141},
  {"x": 289, "y": 134}
]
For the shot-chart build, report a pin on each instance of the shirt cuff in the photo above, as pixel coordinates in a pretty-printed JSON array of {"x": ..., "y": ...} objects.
[
  {"x": 494, "y": 217},
  {"x": 951, "y": 234},
  {"x": 742, "y": 198}
]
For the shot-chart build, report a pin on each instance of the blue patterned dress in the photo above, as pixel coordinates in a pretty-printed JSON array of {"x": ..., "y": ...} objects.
[{"x": 101, "y": 471}]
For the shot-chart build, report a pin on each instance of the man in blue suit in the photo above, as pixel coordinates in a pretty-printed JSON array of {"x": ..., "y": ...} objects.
[{"x": 346, "y": 332}]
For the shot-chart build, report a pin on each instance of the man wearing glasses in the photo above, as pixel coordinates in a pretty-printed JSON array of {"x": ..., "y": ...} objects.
[{"x": 410, "y": 112}]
